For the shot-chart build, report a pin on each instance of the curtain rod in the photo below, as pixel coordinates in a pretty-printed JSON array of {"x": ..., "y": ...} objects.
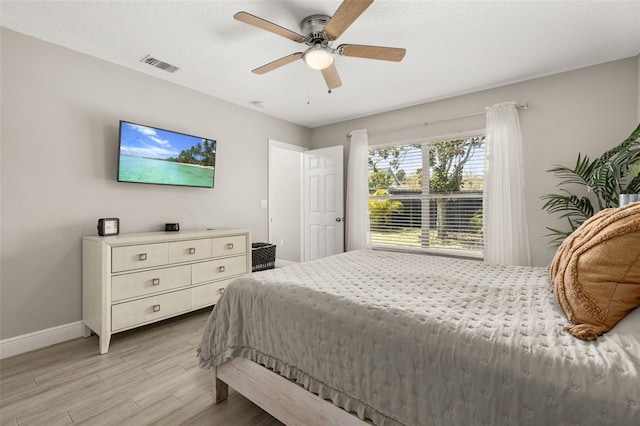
[{"x": 426, "y": 123}]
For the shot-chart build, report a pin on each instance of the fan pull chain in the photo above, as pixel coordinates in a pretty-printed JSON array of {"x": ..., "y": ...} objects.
[{"x": 308, "y": 87}]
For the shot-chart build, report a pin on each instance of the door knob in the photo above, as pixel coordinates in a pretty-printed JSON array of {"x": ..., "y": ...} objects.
[{"x": 339, "y": 219}]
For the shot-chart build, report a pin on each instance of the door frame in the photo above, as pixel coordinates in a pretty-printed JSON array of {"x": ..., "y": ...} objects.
[{"x": 274, "y": 144}]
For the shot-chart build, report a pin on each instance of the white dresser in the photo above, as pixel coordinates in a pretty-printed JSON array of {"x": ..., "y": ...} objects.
[{"x": 130, "y": 280}]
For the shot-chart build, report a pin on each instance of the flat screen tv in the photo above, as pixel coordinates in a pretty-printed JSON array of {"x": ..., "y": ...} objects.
[{"x": 151, "y": 155}]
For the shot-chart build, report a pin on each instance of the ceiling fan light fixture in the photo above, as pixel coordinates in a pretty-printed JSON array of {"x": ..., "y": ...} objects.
[{"x": 318, "y": 57}]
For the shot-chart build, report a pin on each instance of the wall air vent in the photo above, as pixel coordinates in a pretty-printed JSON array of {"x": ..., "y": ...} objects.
[{"x": 159, "y": 64}]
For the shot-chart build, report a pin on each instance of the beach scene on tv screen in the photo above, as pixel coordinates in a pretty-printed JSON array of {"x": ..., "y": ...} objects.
[{"x": 150, "y": 155}]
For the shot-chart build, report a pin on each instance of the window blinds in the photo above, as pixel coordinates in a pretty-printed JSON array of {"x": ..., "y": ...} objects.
[{"x": 428, "y": 195}]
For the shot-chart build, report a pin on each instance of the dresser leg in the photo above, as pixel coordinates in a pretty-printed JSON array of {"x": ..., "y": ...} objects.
[
  {"x": 87, "y": 331},
  {"x": 104, "y": 343}
]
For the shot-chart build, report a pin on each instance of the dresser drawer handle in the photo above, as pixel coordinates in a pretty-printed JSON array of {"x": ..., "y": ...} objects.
[
  {"x": 221, "y": 290},
  {"x": 143, "y": 256},
  {"x": 155, "y": 281},
  {"x": 230, "y": 246},
  {"x": 221, "y": 269},
  {"x": 192, "y": 250},
  {"x": 156, "y": 308}
]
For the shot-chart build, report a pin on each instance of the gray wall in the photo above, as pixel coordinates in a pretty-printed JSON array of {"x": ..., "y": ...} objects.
[
  {"x": 588, "y": 110},
  {"x": 60, "y": 113}
]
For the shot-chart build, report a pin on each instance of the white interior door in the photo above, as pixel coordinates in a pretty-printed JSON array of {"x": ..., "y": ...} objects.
[{"x": 323, "y": 202}]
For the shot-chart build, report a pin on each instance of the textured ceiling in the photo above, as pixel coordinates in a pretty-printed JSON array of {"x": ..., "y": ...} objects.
[{"x": 453, "y": 47}]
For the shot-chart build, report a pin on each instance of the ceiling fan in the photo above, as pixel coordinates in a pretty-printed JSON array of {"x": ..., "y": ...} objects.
[{"x": 318, "y": 32}]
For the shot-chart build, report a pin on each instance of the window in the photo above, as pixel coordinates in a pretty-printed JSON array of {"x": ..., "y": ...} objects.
[{"x": 427, "y": 195}]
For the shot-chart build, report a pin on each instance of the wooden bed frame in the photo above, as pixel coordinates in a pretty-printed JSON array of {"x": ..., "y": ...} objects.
[{"x": 283, "y": 399}]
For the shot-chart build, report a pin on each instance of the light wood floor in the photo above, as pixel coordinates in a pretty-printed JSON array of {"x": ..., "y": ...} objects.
[{"x": 150, "y": 376}]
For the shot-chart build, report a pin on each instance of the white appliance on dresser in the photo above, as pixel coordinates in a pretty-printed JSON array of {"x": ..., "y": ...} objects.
[{"x": 130, "y": 280}]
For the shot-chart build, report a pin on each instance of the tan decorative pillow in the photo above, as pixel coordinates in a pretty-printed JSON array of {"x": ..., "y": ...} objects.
[{"x": 596, "y": 271}]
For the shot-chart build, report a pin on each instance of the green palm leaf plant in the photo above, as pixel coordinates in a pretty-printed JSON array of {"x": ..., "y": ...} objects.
[{"x": 601, "y": 180}]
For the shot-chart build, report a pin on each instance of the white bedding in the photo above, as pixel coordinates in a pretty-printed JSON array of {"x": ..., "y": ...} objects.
[{"x": 414, "y": 339}]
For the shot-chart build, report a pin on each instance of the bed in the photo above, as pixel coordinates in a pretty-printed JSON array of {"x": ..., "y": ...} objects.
[{"x": 411, "y": 339}]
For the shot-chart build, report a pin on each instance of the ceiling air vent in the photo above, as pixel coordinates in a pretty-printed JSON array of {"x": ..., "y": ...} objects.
[{"x": 159, "y": 64}]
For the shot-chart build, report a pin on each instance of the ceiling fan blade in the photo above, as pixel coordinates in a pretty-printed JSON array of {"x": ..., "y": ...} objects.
[
  {"x": 331, "y": 77},
  {"x": 250, "y": 19},
  {"x": 372, "y": 52},
  {"x": 348, "y": 12},
  {"x": 277, "y": 63}
]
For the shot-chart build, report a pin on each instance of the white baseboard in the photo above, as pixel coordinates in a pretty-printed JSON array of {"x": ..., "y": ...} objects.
[{"x": 39, "y": 339}]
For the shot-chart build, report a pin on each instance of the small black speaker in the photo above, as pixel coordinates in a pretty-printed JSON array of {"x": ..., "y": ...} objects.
[{"x": 171, "y": 227}]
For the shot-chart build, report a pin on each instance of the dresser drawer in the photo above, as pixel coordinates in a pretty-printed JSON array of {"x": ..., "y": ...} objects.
[
  {"x": 218, "y": 269},
  {"x": 228, "y": 246},
  {"x": 186, "y": 251},
  {"x": 139, "y": 257},
  {"x": 148, "y": 282},
  {"x": 152, "y": 308},
  {"x": 208, "y": 294}
]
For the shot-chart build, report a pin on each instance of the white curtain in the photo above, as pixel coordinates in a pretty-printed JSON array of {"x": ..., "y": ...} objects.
[
  {"x": 357, "y": 226},
  {"x": 505, "y": 227}
]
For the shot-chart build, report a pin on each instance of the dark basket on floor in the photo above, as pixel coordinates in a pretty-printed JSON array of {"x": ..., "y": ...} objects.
[{"x": 263, "y": 256}]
